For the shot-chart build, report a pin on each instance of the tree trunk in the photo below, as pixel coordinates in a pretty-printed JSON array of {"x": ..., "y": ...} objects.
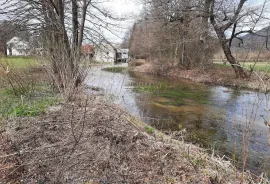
[
  {"x": 75, "y": 24},
  {"x": 205, "y": 28},
  {"x": 184, "y": 56},
  {"x": 225, "y": 44},
  {"x": 64, "y": 35},
  {"x": 5, "y": 49},
  {"x": 84, "y": 9},
  {"x": 240, "y": 73}
]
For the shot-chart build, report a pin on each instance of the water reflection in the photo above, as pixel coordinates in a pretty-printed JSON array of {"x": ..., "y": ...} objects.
[{"x": 214, "y": 116}]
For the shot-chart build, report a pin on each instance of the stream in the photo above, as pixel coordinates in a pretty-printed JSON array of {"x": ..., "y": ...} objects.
[{"x": 215, "y": 117}]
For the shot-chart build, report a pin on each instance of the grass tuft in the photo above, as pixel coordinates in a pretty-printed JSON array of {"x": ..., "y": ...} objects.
[
  {"x": 12, "y": 105},
  {"x": 32, "y": 108},
  {"x": 149, "y": 129}
]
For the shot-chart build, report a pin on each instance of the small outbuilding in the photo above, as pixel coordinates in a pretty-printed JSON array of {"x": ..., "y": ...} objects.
[{"x": 18, "y": 47}]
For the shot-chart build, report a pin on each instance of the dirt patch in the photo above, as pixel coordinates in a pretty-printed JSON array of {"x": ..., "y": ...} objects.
[
  {"x": 216, "y": 75},
  {"x": 91, "y": 141}
]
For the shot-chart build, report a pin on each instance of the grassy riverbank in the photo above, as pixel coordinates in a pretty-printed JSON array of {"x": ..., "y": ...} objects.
[
  {"x": 91, "y": 140},
  {"x": 216, "y": 75},
  {"x": 94, "y": 145}
]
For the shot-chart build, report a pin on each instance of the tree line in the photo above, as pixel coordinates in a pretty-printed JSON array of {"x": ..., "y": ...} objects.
[{"x": 186, "y": 33}]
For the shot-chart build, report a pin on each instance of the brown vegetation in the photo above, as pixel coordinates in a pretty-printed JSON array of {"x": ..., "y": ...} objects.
[
  {"x": 174, "y": 37},
  {"x": 58, "y": 33},
  {"x": 217, "y": 75},
  {"x": 84, "y": 142},
  {"x": 186, "y": 34}
]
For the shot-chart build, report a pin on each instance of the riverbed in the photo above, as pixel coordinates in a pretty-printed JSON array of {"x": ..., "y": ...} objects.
[{"x": 226, "y": 121}]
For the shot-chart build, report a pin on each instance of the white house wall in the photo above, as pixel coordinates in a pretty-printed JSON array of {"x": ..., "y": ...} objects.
[
  {"x": 104, "y": 55},
  {"x": 16, "y": 52}
]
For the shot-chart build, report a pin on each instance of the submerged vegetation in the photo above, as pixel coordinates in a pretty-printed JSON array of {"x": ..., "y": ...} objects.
[
  {"x": 173, "y": 94},
  {"x": 117, "y": 69}
]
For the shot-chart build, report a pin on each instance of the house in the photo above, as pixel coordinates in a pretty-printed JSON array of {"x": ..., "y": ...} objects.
[
  {"x": 17, "y": 47},
  {"x": 105, "y": 52}
]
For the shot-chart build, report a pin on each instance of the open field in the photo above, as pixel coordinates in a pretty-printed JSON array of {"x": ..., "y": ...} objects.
[
  {"x": 259, "y": 66},
  {"x": 18, "y": 62}
]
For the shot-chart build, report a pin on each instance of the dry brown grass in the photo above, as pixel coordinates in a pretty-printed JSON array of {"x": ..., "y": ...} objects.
[
  {"x": 219, "y": 75},
  {"x": 137, "y": 62},
  {"x": 91, "y": 141}
]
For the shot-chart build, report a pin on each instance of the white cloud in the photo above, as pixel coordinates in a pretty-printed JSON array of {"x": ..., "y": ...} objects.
[
  {"x": 128, "y": 9},
  {"x": 123, "y": 7}
]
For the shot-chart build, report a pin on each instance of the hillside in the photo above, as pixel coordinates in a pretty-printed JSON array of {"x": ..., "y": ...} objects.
[{"x": 253, "y": 41}]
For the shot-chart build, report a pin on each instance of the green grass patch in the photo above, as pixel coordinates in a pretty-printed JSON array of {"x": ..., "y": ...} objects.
[
  {"x": 12, "y": 105},
  {"x": 259, "y": 66},
  {"x": 149, "y": 129},
  {"x": 115, "y": 69},
  {"x": 33, "y": 107},
  {"x": 18, "y": 62},
  {"x": 25, "y": 90}
]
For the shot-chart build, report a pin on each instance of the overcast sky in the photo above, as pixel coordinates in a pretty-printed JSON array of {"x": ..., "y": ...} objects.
[
  {"x": 123, "y": 8},
  {"x": 133, "y": 7}
]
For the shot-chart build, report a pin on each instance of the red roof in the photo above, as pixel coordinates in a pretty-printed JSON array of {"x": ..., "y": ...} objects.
[{"x": 87, "y": 49}]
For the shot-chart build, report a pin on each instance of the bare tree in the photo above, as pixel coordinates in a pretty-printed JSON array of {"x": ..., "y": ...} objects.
[
  {"x": 62, "y": 26},
  {"x": 181, "y": 27},
  {"x": 230, "y": 15},
  {"x": 175, "y": 31}
]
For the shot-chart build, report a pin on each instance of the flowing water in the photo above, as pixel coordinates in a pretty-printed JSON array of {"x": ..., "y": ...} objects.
[{"x": 215, "y": 117}]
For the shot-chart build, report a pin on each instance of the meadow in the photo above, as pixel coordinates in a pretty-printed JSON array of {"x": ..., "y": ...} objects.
[{"x": 259, "y": 66}]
